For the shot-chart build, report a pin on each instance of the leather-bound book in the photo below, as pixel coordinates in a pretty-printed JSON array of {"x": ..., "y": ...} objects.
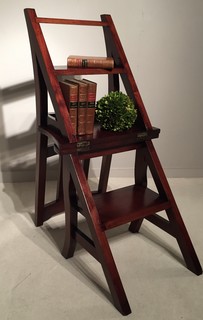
[
  {"x": 82, "y": 104},
  {"x": 70, "y": 94},
  {"x": 90, "y": 62},
  {"x": 91, "y": 100}
]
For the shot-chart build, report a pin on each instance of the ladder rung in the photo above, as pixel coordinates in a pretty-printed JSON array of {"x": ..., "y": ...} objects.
[{"x": 71, "y": 22}]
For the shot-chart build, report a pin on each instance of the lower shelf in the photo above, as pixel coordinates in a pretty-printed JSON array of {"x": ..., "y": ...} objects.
[{"x": 123, "y": 205}]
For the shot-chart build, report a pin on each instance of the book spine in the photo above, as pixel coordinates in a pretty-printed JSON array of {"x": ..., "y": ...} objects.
[
  {"x": 82, "y": 107},
  {"x": 70, "y": 94},
  {"x": 73, "y": 108},
  {"x": 77, "y": 62},
  {"x": 91, "y": 100}
]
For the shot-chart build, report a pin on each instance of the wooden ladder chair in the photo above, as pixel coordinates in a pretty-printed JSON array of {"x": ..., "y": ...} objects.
[{"x": 102, "y": 210}]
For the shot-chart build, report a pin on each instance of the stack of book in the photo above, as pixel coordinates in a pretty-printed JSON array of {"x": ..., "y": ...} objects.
[{"x": 80, "y": 98}]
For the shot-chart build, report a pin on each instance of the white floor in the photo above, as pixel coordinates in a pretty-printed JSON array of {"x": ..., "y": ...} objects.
[{"x": 36, "y": 282}]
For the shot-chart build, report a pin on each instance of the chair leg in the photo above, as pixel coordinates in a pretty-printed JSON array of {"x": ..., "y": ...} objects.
[
  {"x": 98, "y": 235},
  {"x": 70, "y": 214},
  {"x": 148, "y": 157},
  {"x": 184, "y": 241},
  {"x": 110, "y": 271},
  {"x": 173, "y": 213},
  {"x": 59, "y": 190},
  {"x": 86, "y": 166},
  {"x": 140, "y": 174},
  {"x": 104, "y": 174},
  {"x": 40, "y": 180},
  {"x": 135, "y": 226}
]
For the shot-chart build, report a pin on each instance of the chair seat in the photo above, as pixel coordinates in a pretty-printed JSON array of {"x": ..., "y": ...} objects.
[{"x": 89, "y": 146}]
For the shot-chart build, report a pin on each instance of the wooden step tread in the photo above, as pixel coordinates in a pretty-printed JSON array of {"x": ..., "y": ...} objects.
[
  {"x": 127, "y": 204},
  {"x": 88, "y": 71}
]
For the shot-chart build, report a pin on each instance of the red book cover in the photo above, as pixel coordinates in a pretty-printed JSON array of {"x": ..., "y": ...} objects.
[
  {"x": 82, "y": 104},
  {"x": 70, "y": 94},
  {"x": 91, "y": 101},
  {"x": 90, "y": 62}
]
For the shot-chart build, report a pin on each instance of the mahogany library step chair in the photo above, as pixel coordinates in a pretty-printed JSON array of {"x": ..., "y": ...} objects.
[{"x": 102, "y": 209}]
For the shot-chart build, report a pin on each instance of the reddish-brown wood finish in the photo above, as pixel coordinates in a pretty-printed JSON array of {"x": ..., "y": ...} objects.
[{"x": 103, "y": 210}]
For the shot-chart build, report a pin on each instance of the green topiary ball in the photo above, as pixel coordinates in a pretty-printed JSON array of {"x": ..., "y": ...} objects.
[{"x": 116, "y": 111}]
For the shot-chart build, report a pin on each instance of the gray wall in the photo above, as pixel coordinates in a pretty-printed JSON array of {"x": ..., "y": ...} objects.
[{"x": 163, "y": 43}]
